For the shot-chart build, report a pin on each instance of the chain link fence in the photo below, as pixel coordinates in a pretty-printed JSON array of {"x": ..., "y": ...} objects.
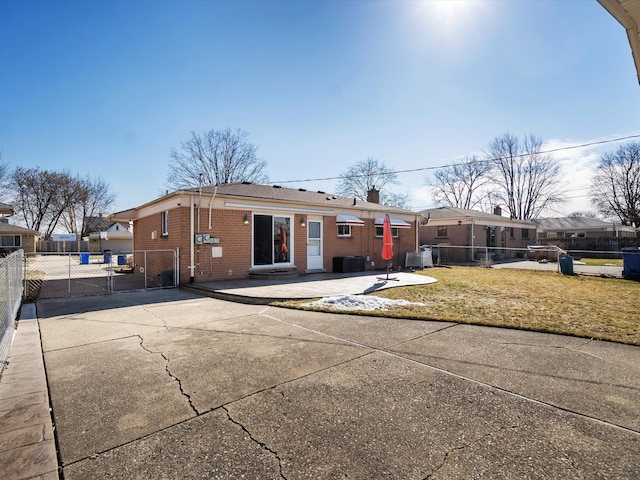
[
  {"x": 73, "y": 274},
  {"x": 547, "y": 257},
  {"x": 11, "y": 271}
]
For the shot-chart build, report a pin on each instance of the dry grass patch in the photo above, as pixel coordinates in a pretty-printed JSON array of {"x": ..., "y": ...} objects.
[{"x": 592, "y": 307}]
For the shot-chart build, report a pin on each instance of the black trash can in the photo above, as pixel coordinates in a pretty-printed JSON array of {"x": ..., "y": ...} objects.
[{"x": 165, "y": 278}]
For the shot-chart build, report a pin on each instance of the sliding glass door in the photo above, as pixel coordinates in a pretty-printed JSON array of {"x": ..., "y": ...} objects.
[{"x": 271, "y": 240}]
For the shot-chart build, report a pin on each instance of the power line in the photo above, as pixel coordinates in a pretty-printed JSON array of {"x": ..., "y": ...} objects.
[{"x": 437, "y": 167}]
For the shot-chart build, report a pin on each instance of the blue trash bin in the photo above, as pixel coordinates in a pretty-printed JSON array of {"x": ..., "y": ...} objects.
[
  {"x": 631, "y": 263},
  {"x": 122, "y": 259},
  {"x": 84, "y": 259},
  {"x": 107, "y": 256}
]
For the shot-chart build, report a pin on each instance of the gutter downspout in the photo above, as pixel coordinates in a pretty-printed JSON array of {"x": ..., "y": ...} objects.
[
  {"x": 215, "y": 189},
  {"x": 192, "y": 266}
]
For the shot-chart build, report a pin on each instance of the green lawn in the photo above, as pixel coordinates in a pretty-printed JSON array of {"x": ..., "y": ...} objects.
[
  {"x": 591, "y": 307},
  {"x": 599, "y": 262}
]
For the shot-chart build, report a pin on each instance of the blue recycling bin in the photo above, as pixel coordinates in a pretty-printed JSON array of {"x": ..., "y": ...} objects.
[
  {"x": 631, "y": 263},
  {"x": 122, "y": 259},
  {"x": 84, "y": 259},
  {"x": 107, "y": 256}
]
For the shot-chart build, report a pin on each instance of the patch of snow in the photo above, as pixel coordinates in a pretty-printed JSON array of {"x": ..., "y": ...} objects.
[{"x": 358, "y": 302}]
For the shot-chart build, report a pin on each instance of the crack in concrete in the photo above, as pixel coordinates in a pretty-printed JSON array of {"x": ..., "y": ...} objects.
[
  {"x": 164, "y": 322},
  {"x": 255, "y": 440},
  {"x": 456, "y": 449},
  {"x": 171, "y": 375}
]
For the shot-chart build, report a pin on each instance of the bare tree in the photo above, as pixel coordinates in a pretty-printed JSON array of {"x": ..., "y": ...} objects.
[
  {"x": 615, "y": 187},
  {"x": 41, "y": 197},
  {"x": 584, "y": 213},
  {"x": 460, "y": 185},
  {"x": 369, "y": 174},
  {"x": 215, "y": 157},
  {"x": 92, "y": 197},
  {"x": 4, "y": 179},
  {"x": 527, "y": 179}
]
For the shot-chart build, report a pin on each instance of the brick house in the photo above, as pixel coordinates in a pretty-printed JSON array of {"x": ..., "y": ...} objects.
[
  {"x": 465, "y": 235},
  {"x": 13, "y": 237},
  {"x": 236, "y": 230},
  {"x": 581, "y": 227}
]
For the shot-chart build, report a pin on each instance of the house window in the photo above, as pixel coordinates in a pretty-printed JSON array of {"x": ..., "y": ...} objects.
[
  {"x": 344, "y": 230},
  {"x": 271, "y": 240},
  {"x": 165, "y": 223},
  {"x": 512, "y": 232},
  {"x": 525, "y": 233},
  {"x": 441, "y": 231},
  {"x": 394, "y": 232},
  {"x": 11, "y": 240}
]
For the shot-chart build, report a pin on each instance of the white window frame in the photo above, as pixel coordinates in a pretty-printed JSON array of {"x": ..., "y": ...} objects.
[
  {"x": 164, "y": 220},
  {"x": 346, "y": 231}
]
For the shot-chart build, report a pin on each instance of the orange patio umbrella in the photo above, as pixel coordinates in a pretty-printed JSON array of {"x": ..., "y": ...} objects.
[{"x": 387, "y": 243}]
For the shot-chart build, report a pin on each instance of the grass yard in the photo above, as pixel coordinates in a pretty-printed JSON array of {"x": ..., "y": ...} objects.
[
  {"x": 599, "y": 262},
  {"x": 591, "y": 307}
]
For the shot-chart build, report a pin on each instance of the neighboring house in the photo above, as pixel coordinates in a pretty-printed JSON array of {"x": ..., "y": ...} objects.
[
  {"x": 583, "y": 234},
  {"x": 475, "y": 231},
  {"x": 112, "y": 236},
  {"x": 13, "y": 238},
  {"x": 236, "y": 230},
  {"x": 581, "y": 227},
  {"x": 6, "y": 210}
]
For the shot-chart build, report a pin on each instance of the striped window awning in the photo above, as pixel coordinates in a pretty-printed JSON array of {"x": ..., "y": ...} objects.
[
  {"x": 395, "y": 223},
  {"x": 349, "y": 220}
]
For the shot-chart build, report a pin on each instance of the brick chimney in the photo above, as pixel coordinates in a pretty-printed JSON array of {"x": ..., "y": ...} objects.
[
  {"x": 373, "y": 195},
  {"x": 497, "y": 210}
]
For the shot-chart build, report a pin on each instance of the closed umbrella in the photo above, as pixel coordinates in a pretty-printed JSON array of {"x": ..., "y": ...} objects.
[{"x": 387, "y": 243}]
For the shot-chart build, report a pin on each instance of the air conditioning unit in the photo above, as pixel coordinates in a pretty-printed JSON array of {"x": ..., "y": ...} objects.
[{"x": 154, "y": 235}]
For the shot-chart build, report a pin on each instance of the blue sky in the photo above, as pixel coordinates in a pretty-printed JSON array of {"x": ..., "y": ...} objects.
[{"x": 107, "y": 88}]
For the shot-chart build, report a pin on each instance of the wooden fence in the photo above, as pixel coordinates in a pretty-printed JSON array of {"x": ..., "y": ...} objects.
[{"x": 52, "y": 246}]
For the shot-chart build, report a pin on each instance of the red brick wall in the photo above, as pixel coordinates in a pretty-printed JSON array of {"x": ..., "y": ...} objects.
[
  {"x": 236, "y": 241},
  {"x": 363, "y": 242}
]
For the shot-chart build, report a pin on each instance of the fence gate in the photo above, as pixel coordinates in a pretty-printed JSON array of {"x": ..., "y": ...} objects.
[{"x": 75, "y": 274}]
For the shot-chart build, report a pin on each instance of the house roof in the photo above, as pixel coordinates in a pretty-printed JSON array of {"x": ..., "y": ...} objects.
[
  {"x": 276, "y": 194},
  {"x": 627, "y": 12},
  {"x": 442, "y": 213},
  {"x": 297, "y": 195},
  {"x": 6, "y": 209},
  {"x": 576, "y": 223},
  {"x": 8, "y": 229}
]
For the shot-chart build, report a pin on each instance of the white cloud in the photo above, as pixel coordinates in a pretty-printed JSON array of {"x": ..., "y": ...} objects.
[{"x": 578, "y": 164}]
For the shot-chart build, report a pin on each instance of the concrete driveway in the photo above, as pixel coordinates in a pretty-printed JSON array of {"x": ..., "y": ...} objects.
[{"x": 168, "y": 384}]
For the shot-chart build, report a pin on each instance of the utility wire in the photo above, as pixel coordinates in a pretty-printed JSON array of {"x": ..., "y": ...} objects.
[{"x": 437, "y": 167}]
